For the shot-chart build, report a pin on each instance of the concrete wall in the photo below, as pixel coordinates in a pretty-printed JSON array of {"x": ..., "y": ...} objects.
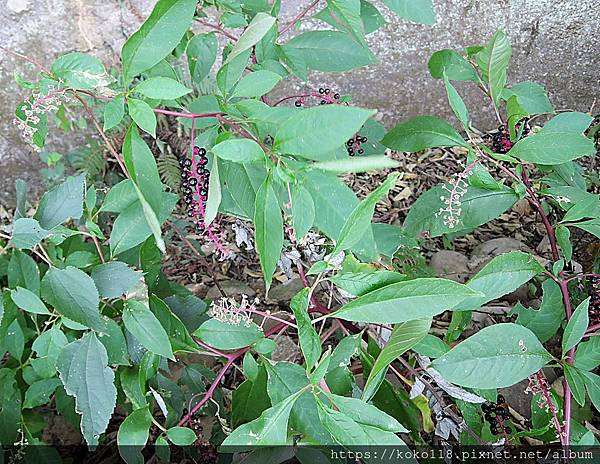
[{"x": 556, "y": 43}]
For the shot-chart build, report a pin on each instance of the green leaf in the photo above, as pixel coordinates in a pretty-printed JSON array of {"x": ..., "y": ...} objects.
[
  {"x": 417, "y": 11},
  {"x": 545, "y": 321},
  {"x": 114, "y": 111},
  {"x": 478, "y": 206},
  {"x": 39, "y": 392},
  {"x": 329, "y": 126},
  {"x": 502, "y": 275},
  {"x": 431, "y": 346},
  {"x": 230, "y": 73},
  {"x": 178, "y": 333},
  {"x": 201, "y": 54},
  {"x": 563, "y": 239},
  {"x": 531, "y": 96},
  {"x": 22, "y": 271},
  {"x": 403, "y": 338},
  {"x": 303, "y": 211},
  {"x": 143, "y": 115},
  {"x": 84, "y": 372},
  {"x": 111, "y": 336},
  {"x": 28, "y": 301},
  {"x": 73, "y": 294},
  {"x": 568, "y": 122},
  {"x": 239, "y": 150},
  {"x": 133, "y": 435},
  {"x": 592, "y": 383},
  {"x": 592, "y": 226},
  {"x": 336, "y": 201},
  {"x": 256, "y": 30},
  {"x": 144, "y": 325},
  {"x": 576, "y": 326},
  {"x": 493, "y": 60},
  {"x": 271, "y": 428},
  {"x": 587, "y": 356},
  {"x": 250, "y": 399},
  {"x": 131, "y": 226},
  {"x": 157, "y": 37},
  {"x": 327, "y": 51},
  {"x": 456, "y": 103},
  {"x": 114, "y": 279},
  {"x": 422, "y": 132},
  {"x": 256, "y": 84},
  {"x": 268, "y": 225},
  {"x": 506, "y": 353},
  {"x": 119, "y": 197},
  {"x": 47, "y": 348},
  {"x": 364, "y": 164},
  {"x": 406, "y": 301},
  {"x": 63, "y": 202},
  {"x": 366, "y": 414},
  {"x": 81, "y": 71},
  {"x": 576, "y": 381},
  {"x": 224, "y": 336},
  {"x": 346, "y": 13},
  {"x": 359, "y": 220},
  {"x": 310, "y": 342},
  {"x": 452, "y": 64},
  {"x": 161, "y": 88},
  {"x": 27, "y": 233},
  {"x": 181, "y": 436},
  {"x": 547, "y": 147},
  {"x": 10, "y": 407}
]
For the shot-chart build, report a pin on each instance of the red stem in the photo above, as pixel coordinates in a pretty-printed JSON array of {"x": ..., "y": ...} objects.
[
  {"x": 581, "y": 276},
  {"x": 299, "y": 16},
  {"x": 542, "y": 382}
]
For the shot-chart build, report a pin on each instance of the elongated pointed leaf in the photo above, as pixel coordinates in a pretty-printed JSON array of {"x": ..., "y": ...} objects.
[
  {"x": 256, "y": 30},
  {"x": 140, "y": 321},
  {"x": 403, "y": 338},
  {"x": 310, "y": 343},
  {"x": 493, "y": 60},
  {"x": 422, "y": 132},
  {"x": 576, "y": 326},
  {"x": 498, "y": 356},
  {"x": 225, "y": 336},
  {"x": 406, "y": 301},
  {"x": 547, "y": 147},
  {"x": 133, "y": 435}
]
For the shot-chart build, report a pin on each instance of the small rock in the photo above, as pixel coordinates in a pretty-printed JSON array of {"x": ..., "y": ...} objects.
[
  {"x": 450, "y": 265},
  {"x": 231, "y": 288},
  {"x": 485, "y": 252},
  {"x": 287, "y": 349}
]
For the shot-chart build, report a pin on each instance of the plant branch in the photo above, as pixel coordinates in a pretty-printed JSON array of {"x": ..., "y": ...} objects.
[
  {"x": 299, "y": 16},
  {"x": 218, "y": 29}
]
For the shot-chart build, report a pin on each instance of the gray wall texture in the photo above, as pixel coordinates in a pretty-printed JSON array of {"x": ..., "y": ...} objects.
[{"x": 555, "y": 42}]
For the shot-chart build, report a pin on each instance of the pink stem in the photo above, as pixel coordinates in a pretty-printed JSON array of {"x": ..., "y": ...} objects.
[
  {"x": 186, "y": 115},
  {"x": 581, "y": 276},
  {"x": 542, "y": 382},
  {"x": 569, "y": 360}
]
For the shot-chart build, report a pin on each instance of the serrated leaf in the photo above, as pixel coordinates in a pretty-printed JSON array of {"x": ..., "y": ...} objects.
[
  {"x": 27, "y": 233},
  {"x": 506, "y": 353},
  {"x": 65, "y": 201},
  {"x": 84, "y": 372},
  {"x": 28, "y": 301},
  {"x": 114, "y": 279},
  {"x": 406, "y": 301},
  {"x": 73, "y": 294},
  {"x": 422, "y": 132},
  {"x": 144, "y": 325}
]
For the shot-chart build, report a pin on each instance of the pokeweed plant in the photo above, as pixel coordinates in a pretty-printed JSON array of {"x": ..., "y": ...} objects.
[{"x": 90, "y": 323}]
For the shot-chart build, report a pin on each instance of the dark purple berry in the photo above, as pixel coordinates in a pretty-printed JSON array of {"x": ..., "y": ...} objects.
[
  {"x": 336, "y": 96},
  {"x": 298, "y": 103},
  {"x": 321, "y": 90}
]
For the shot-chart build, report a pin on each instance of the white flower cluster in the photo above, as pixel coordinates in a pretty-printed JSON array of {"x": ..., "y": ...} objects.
[
  {"x": 37, "y": 106},
  {"x": 456, "y": 190},
  {"x": 227, "y": 310}
]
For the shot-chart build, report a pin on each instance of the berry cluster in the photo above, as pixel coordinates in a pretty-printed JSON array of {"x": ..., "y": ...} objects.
[
  {"x": 594, "y": 292},
  {"x": 501, "y": 142},
  {"x": 353, "y": 145},
  {"x": 194, "y": 184},
  {"x": 325, "y": 96},
  {"x": 495, "y": 415}
]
